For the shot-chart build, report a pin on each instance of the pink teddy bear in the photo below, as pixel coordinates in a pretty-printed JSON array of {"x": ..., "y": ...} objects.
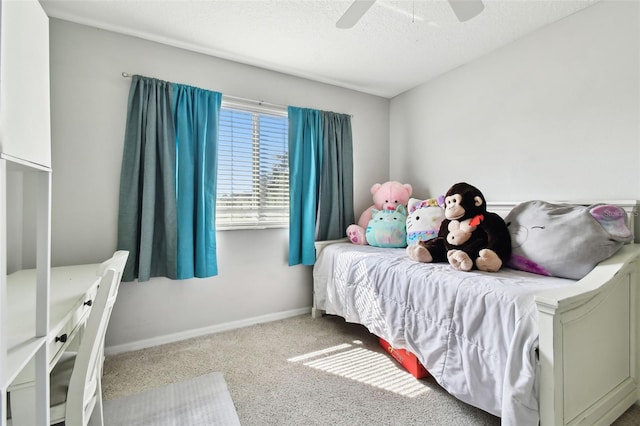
[{"x": 386, "y": 196}]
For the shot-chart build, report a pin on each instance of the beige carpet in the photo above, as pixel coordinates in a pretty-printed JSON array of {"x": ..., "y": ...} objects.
[{"x": 301, "y": 371}]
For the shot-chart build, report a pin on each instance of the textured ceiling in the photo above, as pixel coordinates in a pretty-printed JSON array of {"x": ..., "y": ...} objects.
[{"x": 396, "y": 46}]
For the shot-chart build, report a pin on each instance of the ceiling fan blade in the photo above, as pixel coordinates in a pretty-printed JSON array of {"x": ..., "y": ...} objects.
[
  {"x": 466, "y": 9},
  {"x": 354, "y": 13}
]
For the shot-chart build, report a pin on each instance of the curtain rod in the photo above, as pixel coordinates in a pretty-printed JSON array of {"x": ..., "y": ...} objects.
[
  {"x": 236, "y": 98},
  {"x": 259, "y": 103},
  {"x": 232, "y": 98}
]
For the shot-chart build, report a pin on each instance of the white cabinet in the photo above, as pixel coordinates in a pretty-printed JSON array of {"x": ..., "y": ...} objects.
[
  {"x": 25, "y": 156},
  {"x": 25, "y": 121}
]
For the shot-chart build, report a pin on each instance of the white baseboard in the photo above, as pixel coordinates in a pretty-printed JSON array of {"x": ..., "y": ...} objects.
[{"x": 217, "y": 328}]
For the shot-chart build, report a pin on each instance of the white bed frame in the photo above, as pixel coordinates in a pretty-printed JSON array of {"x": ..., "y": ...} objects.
[{"x": 589, "y": 337}]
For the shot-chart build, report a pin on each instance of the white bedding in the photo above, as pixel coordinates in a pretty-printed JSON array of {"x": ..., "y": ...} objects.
[{"x": 475, "y": 332}]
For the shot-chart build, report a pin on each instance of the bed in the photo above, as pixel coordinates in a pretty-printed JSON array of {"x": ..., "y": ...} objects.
[{"x": 524, "y": 347}]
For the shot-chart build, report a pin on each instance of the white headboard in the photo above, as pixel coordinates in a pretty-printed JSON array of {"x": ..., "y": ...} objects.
[{"x": 630, "y": 206}]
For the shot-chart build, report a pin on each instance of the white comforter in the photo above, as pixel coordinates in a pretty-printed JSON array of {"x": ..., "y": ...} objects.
[{"x": 475, "y": 332}]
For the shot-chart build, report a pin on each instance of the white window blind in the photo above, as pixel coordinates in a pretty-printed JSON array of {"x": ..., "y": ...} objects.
[{"x": 253, "y": 167}]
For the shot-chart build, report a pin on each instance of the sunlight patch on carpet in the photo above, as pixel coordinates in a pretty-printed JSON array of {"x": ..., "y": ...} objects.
[
  {"x": 365, "y": 366},
  {"x": 320, "y": 352}
]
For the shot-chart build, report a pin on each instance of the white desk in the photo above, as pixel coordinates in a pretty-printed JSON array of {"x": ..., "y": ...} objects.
[{"x": 71, "y": 289}]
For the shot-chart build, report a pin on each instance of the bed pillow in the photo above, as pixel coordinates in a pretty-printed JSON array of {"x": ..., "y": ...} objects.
[{"x": 564, "y": 240}]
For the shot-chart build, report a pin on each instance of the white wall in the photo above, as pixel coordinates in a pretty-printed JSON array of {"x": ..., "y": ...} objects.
[
  {"x": 89, "y": 102},
  {"x": 554, "y": 115}
]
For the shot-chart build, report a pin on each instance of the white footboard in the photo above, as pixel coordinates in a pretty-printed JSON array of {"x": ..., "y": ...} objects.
[{"x": 589, "y": 344}]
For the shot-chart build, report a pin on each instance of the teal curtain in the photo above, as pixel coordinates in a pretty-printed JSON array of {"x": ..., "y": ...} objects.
[
  {"x": 305, "y": 156},
  {"x": 147, "y": 210},
  {"x": 196, "y": 118},
  {"x": 166, "y": 217},
  {"x": 320, "y": 180},
  {"x": 335, "y": 199}
]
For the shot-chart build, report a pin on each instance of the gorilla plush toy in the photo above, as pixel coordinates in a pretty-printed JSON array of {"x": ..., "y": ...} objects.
[{"x": 469, "y": 236}]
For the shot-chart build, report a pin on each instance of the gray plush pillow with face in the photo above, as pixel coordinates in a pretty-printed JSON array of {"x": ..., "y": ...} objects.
[{"x": 564, "y": 240}]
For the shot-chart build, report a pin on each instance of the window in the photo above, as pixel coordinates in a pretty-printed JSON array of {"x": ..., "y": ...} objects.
[{"x": 253, "y": 167}]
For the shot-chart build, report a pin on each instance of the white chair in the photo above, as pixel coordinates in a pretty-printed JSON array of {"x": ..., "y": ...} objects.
[
  {"x": 117, "y": 262},
  {"x": 76, "y": 380}
]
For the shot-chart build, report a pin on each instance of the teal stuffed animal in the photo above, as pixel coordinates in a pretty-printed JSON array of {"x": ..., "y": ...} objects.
[{"x": 387, "y": 228}]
